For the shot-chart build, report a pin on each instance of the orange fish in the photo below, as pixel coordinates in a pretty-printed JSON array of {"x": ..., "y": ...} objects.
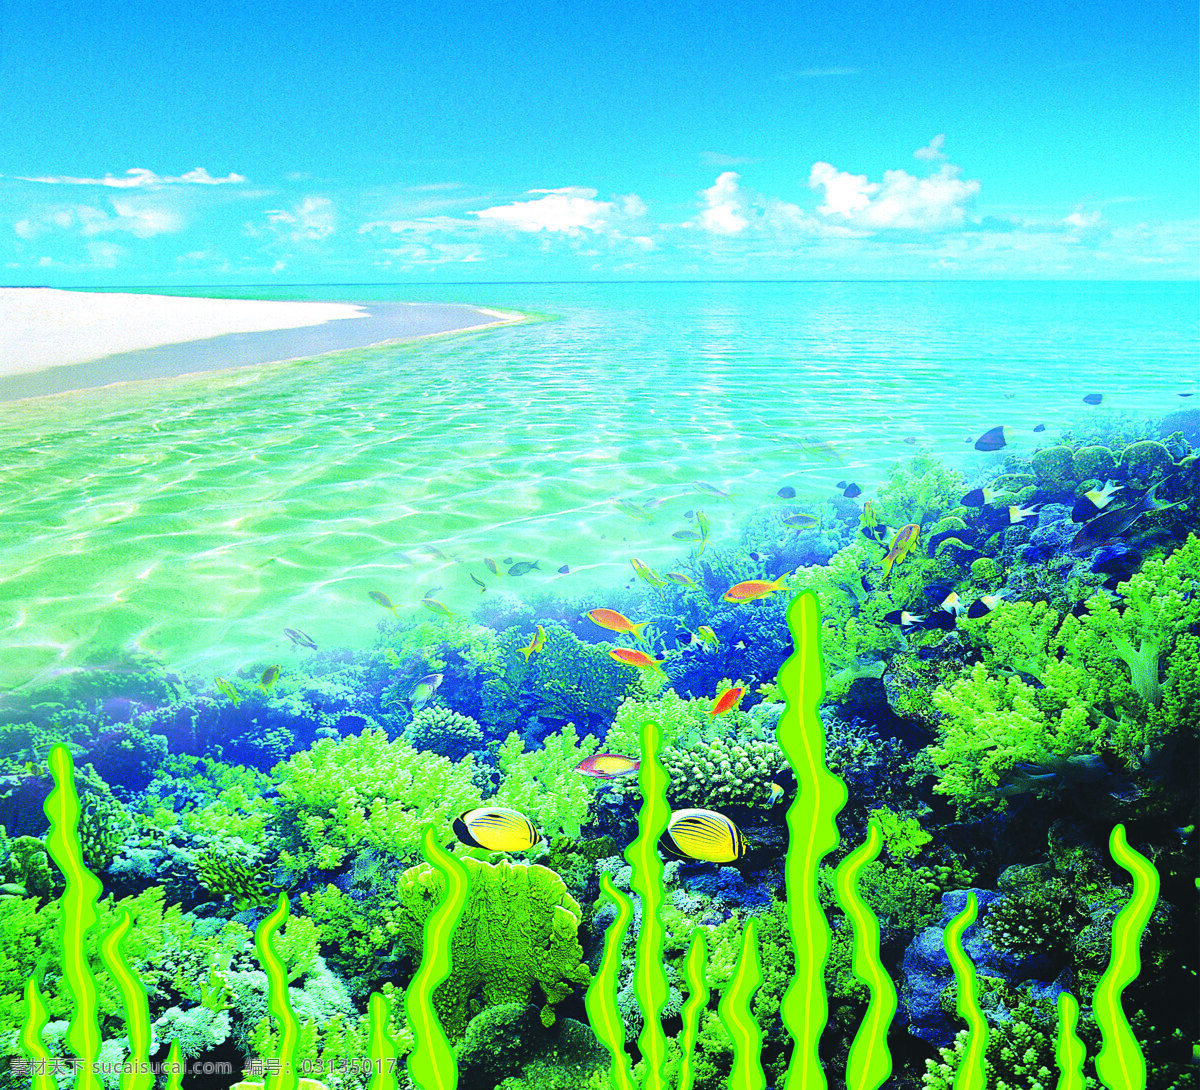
[
  {"x": 902, "y": 544},
  {"x": 728, "y": 700},
  {"x": 639, "y": 659},
  {"x": 616, "y": 622},
  {"x": 753, "y": 589}
]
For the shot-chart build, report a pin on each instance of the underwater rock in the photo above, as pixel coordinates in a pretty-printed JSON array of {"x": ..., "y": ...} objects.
[
  {"x": 1097, "y": 462},
  {"x": 1053, "y": 464},
  {"x": 986, "y": 573},
  {"x": 496, "y": 1043},
  {"x": 927, "y": 971},
  {"x": 1146, "y": 459},
  {"x": 1186, "y": 422}
]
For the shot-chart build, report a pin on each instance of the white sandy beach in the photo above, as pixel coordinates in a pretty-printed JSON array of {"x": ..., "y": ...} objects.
[{"x": 47, "y": 327}]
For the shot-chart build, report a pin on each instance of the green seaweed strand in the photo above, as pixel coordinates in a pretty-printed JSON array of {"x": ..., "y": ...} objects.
[
  {"x": 1120, "y": 1064},
  {"x": 600, "y": 1000},
  {"x": 174, "y": 1067},
  {"x": 36, "y": 1017},
  {"x": 383, "y": 1048},
  {"x": 277, "y": 997},
  {"x": 869, "y": 1062},
  {"x": 133, "y": 995},
  {"x": 693, "y": 975},
  {"x": 79, "y": 914},
  {"x": 649, "y": 976},
  {"x": 431, "y": 1064},
  {"x": 735, "y": 1015},
  {"x": 1069, "y": 1051},
  {"x": 812, "y": 833},
  {"x": 971, "y": 1075}
]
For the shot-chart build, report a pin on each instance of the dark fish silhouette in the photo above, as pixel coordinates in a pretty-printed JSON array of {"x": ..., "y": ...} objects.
[{"x": 1114, "y": 523}]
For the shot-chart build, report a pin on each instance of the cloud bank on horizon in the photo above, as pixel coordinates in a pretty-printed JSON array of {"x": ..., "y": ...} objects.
[{"x": 921, "y": 220}]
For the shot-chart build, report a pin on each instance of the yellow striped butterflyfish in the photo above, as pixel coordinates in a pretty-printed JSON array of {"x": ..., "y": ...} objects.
[
  {"x": 703, "y": 835},
  {"x": 496, "y": 829}
]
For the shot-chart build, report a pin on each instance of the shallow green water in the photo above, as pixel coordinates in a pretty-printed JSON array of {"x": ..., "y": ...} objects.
[{"x": 196, "y": 518}]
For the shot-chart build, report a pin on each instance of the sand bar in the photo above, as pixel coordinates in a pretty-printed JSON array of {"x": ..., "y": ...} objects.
[{"x": 52, "y": 341}]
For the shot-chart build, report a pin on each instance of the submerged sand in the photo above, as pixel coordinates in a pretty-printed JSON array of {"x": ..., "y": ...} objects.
[{"x": 53, "y": 340}]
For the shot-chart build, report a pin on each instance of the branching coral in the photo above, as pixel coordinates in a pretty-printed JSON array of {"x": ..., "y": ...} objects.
[
  {"x": 722, "y": 772},
  {"x": 1090, "y": 709},
  {"x": 364, "y": 790},
  {"x": 443, "y": 731},
  {"x": 543, "y": 784}
]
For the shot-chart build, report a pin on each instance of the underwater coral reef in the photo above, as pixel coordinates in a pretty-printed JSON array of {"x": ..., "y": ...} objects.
[{"x": 1009, "y": 677}]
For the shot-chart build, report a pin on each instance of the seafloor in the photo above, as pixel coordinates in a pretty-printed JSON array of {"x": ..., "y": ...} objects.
[{"x": 1010, "y": 673}]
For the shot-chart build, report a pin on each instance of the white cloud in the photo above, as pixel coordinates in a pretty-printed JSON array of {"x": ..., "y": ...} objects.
[
  {"x": 717, "y": 159},
  {"x": 312, "y": 219},
  {"x": 932, "y": 152},
  {"x": 105, "y": 255},
  {"x": 1083, "y": 220},
  {"x": 900, "y": 201},
  {"x": 845, "y": 194},
  {"x": 569, "y": 210},
  {"x": 725, "y": 209},
  {"x": 139, "y": 177},
  {"x": 143, "y": 222},
  {"x": 138, "y": 219}
]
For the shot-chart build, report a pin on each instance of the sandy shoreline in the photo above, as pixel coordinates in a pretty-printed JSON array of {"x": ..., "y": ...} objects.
[{"x": 53, "y": 341}]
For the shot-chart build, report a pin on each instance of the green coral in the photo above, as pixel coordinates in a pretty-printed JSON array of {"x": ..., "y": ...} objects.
[
  {"x": 1146, "y": 460},
  {"x": 29, "y": 866},
  {"x": 340, "y": 1044},
  {"x": 922, "y": 491},
  {"x": 519, "y": 929},
  {"x": 103, "y": 826},
  {"x": 170, "y": 958},
  {"x": 986, "y": 573},
  {"x": 903, "y": 837},
  {"x": 241, "y": 876},
  {"x": 365, "y": 791},
  {"x": 577, "y": 682},
  {"x": 543, "y": 784},
  {"x": 231, "y": 799},
  {"x": 1096, "y": 688},
  {"x": 1054, "y": 464},
  {"x": 1020, "y": 1054},
  {"x": 359, "y": 934},
  {"x": 1093, "y": 462},
  {"x": 725, "y": 771},
  {"x": 444, "y": 731}
]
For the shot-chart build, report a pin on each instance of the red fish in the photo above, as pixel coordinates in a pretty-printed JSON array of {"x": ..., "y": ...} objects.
[
  {"x": 608, "y": 766},
  {"x": 727, "y": 701}
]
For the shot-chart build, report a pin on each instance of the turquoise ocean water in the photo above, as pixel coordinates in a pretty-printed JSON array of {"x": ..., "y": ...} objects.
[{"x": 195, "y": 518}]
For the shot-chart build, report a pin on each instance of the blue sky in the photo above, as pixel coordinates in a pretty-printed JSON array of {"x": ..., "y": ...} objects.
[{"x": 307, "y": 142}]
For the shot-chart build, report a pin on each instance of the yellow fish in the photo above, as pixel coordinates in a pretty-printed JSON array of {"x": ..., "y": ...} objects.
[
  {"x": 536, "y": 642},
  {"x": 381, "y": 599},
  {"x": 902, "y": 544},
  {"x": 269, "y": 676},
  {"x": 646, "y": 573},
  {"x": 640, "y": 659},
  {"x": 703, "y": 835},
  {"x": 496, "y": 829},
  {"x": 227, "y": 690}
]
